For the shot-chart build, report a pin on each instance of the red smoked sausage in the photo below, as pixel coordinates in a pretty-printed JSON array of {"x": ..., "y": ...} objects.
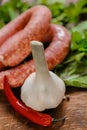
[
  {"x": 55, "y": 54},
  {"x": 16, "y": 48}
]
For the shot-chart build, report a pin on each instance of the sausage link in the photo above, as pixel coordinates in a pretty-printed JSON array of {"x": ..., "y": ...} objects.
[
  {"x": 17, "y": 47},
  {"x": 14, "y": 26},
  {"x": 46, "y": 39},
  {"x": 59, "y": 47},
  {"x": 54, "y": 53}
]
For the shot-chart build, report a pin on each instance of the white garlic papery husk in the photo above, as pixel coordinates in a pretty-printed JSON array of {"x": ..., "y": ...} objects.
[
  {"x": 40, "y": 96},
  {"x": 42, "y": 89}
]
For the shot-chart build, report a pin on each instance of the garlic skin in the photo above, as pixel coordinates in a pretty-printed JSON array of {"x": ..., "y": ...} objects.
[
  {"x": 42, "y": 89},
  {"x": 43, "y": 94}
]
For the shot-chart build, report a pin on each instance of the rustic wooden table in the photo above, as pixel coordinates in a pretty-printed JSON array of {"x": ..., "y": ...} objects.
[{"x": 75, "y": 109}]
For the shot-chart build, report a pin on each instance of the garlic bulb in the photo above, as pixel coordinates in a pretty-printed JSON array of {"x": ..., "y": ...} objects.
[{"x": 42, "y": 89}]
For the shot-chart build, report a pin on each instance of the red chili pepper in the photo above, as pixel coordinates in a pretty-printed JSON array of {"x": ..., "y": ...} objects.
[{"x": 34, "y": 116}]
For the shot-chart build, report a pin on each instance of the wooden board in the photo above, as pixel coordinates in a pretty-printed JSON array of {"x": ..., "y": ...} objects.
[{"x": 75, "y": 109}]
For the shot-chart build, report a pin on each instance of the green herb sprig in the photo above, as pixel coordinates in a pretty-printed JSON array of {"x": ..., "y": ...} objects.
[
  {"x": 11, "y": 10},
  {"x": 74, "y": 69}
]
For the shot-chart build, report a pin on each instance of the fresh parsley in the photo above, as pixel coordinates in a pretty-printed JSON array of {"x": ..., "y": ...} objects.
[{"x": 74, "y": 69}]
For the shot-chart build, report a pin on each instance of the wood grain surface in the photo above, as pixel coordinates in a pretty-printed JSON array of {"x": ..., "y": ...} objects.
[{"x": 75, "y": 109}]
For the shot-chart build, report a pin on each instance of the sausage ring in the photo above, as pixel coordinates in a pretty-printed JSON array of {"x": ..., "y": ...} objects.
[
  {"x": 33, "y": 24},
  {"x": 54, "y": 53}
]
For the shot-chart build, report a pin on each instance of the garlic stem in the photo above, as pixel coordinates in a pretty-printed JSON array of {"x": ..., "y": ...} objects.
[{"x": 39, "y": 59}]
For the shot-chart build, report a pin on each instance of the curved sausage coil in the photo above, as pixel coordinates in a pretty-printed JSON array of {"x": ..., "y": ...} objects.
[
  {"x": 54, "y": 53},
  {"x": 33, "y": 24}
]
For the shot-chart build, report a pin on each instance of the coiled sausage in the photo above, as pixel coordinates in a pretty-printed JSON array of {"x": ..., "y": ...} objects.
[
  {"x": 16, "y": 48},
  {"x": 54, "y": 53}
]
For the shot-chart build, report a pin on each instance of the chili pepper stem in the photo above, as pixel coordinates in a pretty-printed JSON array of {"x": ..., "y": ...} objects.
[{"x": 59, "y": 119}]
